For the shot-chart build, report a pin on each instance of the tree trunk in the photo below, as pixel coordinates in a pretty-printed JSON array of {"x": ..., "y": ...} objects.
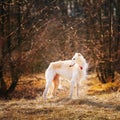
[
  {"x": 2, "y": 82},
  {"x": 105, "y": 68},
  {"x": 14, "y": 69},
  {"x": 13, "y": 65},
  {"x": 105, "y": 71},
  {"x": 15, "y": 77},
  {"x": 3, "y": 87}
]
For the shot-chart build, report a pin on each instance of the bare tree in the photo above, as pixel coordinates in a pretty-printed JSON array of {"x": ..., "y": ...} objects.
[
  {"x": 7, "y": 47},
  {"x": 109, "y": 41}
]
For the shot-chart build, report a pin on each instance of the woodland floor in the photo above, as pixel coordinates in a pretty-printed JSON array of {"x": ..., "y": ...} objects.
[{"x": 96, "y": 102}]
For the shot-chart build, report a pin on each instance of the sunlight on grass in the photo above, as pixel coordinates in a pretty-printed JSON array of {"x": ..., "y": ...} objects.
[
  {"x": 96, "y": 87},
  {"x": 96, "y": 101}
]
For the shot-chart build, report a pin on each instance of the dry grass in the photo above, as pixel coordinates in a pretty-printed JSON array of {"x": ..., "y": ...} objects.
[{"x": 96, "y": 102}]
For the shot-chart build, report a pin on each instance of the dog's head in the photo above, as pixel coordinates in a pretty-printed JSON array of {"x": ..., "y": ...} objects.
[{"x": 77, "y": 58}]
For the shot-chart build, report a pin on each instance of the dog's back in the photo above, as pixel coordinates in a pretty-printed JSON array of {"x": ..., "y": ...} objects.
[{"x": 61, "y": 68}]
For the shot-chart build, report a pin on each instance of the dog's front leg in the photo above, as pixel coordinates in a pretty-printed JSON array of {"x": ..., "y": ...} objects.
[
  {"x": 72, "y": 87},
  {"x": 77, "y": 89}
]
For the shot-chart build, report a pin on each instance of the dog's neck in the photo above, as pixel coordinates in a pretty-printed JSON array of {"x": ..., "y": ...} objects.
[{"x": 80, "y": 66}]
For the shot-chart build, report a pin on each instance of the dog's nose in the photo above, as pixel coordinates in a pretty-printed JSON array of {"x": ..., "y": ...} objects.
[{"x": 71, "y": 65}]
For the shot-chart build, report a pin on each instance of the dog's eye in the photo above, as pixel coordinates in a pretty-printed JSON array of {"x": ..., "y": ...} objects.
[{"x": 73, "y": 58}]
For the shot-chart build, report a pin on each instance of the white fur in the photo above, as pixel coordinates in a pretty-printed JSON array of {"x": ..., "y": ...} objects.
[{"x": 74, "y": 70}]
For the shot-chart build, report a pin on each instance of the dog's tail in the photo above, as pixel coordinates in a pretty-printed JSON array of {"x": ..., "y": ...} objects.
[
  {"x": 50, "y": 73},
  {"x": 49, "y": 76}
]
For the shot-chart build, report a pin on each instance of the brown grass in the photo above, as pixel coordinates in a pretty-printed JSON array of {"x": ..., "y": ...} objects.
[{"x": 96, "y": 102}]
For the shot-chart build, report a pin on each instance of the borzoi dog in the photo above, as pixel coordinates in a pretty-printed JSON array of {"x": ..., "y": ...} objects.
[{"x": 74, "y": 70}]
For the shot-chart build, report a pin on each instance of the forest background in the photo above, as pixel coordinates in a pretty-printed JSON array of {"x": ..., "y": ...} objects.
[{"x": 35, "y": 33}]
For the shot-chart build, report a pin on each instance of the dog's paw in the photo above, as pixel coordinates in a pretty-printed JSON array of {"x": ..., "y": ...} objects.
[{"x": 50, "y": 97}]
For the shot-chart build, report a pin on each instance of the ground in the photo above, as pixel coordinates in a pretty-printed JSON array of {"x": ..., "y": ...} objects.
[{"x": 96, "y": 102}]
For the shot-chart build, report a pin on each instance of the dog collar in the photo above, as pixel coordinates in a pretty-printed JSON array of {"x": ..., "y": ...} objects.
[{"x": 81, "y": 67}]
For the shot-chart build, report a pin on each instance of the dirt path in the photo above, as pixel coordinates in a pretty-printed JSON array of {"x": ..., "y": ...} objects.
[{"x": 96, "y": 102}]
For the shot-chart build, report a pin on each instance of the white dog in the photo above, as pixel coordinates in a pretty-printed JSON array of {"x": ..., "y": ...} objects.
[{"x": 74, "y": 70}]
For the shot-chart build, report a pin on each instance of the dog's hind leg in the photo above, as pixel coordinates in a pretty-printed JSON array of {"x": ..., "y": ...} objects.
[
  {"x": 49, "y": 75},
  {"x": 46, "y": 89},
  {"x": 56, "y": 84},
  {"x": 77, "y": 88}
]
